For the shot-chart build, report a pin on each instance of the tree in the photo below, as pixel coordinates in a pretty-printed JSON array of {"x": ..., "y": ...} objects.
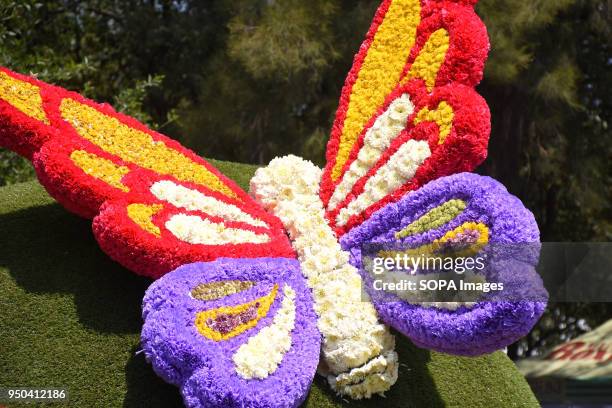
[
  {"x": 143, "y": 56},
  {"x": 547, "y": 84},
  {"x": 273, "y": 88}
]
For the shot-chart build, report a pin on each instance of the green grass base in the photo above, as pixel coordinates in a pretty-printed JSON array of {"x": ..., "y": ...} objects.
[{"x": 70, "y": 317}]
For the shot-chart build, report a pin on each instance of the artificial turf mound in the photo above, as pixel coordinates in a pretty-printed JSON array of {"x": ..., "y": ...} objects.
[{"x": 70, "y": 317}]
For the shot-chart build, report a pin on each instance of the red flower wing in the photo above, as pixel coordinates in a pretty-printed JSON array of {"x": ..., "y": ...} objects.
[{"x": 156, "y": 204}]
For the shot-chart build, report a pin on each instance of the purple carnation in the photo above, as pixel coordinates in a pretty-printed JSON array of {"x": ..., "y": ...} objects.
[
  {"x": 203, "y": 368},
  {"x": 512, "y": 254}
]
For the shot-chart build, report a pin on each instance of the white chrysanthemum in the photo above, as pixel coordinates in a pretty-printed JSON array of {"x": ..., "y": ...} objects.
[
  {"x": 282, "y": 176},
  {"x": 359, "y": 382},
  {"x": 195, "y": 230},
  {"x": 261, "y": 355},
  {"x": 192, "y": 200},
  {"x": 377, "y": 139},
  {"x": 352, "y": 335},
  {"x": 401, "y": 167},
  {"x": 366, "y": 158}
]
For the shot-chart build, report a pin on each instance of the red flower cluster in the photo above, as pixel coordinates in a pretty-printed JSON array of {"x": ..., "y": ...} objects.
[
  {"x": 97, "y": 162},
  {"x": 461, "y": 48}
]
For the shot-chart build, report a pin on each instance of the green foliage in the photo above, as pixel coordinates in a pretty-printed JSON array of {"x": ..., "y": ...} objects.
[
  {"x": 271, "y": 88},
  {"x": 545, "y": 83},
  {"x": 281, "y": 40},
  {"x": 511, "y": 26},
  {"x": 131, "y": 101},
  {"x": 14, "y": 168}
]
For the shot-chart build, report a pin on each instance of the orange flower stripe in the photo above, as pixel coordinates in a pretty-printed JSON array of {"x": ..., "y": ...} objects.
[
  {"x": 263, "y": 307},
  {"x": 23, "y": 96},
  {"x": 134, "y": 146},
  {"x": 442, "y": 115},
  {"x": 100, "y": 168},
  {"x": 141, "y": 214},
  {"x": 430, "y": 59},
  {"x": 380, "y": 72}
]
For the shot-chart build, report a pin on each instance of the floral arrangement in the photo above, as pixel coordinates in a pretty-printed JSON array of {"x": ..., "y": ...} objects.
[
  {"x": 428, "y": 88},
  {"x": 200, "y": 332},
  {"x": 241, "y": 322},
  {"x": 155, "y": 205},
  {"x": 474, "y": 209},
  {"x": 357, "y": 351}
]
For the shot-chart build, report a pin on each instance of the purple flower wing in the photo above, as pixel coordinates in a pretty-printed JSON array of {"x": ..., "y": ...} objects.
[
  {"x": 198, "y": 318},
  {"x": 431, "y": 213}
]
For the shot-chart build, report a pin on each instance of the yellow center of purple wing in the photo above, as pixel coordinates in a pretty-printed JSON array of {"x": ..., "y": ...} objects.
[
  {"x": 226, "y": 322},
  {"x": 472, "y": 232},
  {"x": 465, "y": 240}
]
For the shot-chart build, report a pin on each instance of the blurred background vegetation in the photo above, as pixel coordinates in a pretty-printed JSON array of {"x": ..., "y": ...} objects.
[{"x": 247, "y": 80}]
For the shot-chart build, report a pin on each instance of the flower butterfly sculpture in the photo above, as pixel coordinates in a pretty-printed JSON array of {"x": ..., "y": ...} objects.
[{"x": 236, "y": 319}]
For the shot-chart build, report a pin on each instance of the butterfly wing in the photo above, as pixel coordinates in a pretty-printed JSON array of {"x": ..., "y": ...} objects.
[
  {"x": 155, "y": 204},
  {"x": 408, "y": 112},
  {"x": 234, "y": 332},
  {"x": 466, "y": 208},
  {"x": 408, "y": 115}
]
